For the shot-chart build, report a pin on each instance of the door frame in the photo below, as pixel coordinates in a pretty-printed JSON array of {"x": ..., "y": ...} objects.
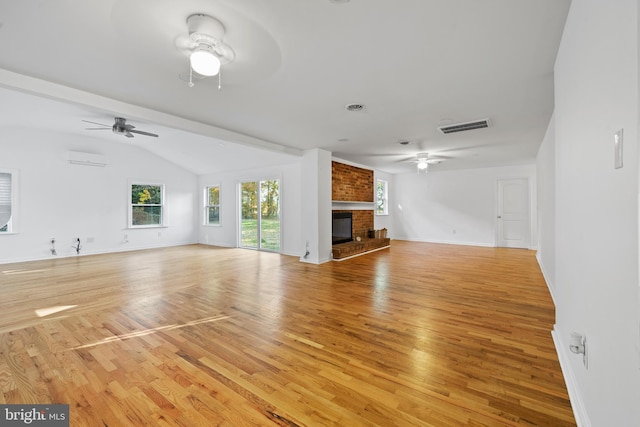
[
  {"x": 239, "y": 211},
  {"x": 498, "y": 212}
]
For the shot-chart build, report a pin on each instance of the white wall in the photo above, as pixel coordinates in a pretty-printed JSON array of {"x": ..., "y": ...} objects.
[
  {"x": 546, "y": 191},
  {"x": 596, "y": 281},
  {"x": 457, "y": 207},
  {"x": 64, "y": 201},
  {"x": 290, "y": 197}
]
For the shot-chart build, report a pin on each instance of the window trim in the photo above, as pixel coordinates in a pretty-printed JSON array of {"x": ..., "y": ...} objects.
[
  {"x": 385, "y": 205},
  {"x": 13, "y": 221},
  {"x": 163, "y": 204},
  {"x": 207, "y": 206}
]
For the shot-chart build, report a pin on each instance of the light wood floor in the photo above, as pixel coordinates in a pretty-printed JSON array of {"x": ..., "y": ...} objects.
[{"x": 415, "y": 335}]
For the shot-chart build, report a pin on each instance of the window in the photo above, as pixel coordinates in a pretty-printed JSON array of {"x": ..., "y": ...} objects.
[
  {"x": 146, "y": 205},
  {"x": 381, "y": 198},
  {"x": 7, "y": 201},
  {"x": 212, "y": 206}
]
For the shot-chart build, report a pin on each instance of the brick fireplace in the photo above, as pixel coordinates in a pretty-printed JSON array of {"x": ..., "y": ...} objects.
[
  {"x": 361, "y": 223},
  {"x": 353, "y": 185},
  {"x": 350, "y": 183}
]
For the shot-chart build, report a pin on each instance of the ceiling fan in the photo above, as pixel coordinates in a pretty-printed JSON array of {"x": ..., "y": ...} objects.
[
  {"x": 429, "y": 158},
  {"x": 120, "y": 127},
  {"x": 423, "y": 160},
  {"x": 205, "y": 47}
]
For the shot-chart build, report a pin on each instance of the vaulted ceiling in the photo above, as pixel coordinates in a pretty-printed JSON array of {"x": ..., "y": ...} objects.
[{"x": 413, "y": 64}]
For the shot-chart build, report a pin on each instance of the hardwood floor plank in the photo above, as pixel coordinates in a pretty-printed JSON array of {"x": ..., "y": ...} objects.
[{"x": 415, "y": 335}]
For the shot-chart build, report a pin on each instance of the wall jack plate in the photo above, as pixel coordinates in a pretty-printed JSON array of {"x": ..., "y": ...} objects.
[
  {"x": 578, "y": 345},
  {"x": 617, "y": 147}
]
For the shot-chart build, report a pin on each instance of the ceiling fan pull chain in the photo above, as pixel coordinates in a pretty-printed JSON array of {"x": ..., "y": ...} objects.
[
  {"x": 220, "y": 79},
  {"x": 190, "y": 77}
]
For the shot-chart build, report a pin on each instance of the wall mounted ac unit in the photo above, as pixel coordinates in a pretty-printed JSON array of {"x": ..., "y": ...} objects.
[{"x": 87, "y": 159}]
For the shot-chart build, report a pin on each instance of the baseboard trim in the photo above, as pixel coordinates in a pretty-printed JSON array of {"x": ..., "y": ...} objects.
[
  {"x": 577, "y": 403},
  {"x": 550, "y": 285},
  {"x": 315, "y": 261},
  {"x": 447, "y": 242},
  {"x": 85, "y": 253}
]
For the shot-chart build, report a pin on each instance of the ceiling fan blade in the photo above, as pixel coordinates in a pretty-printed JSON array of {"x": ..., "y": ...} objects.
[
  {"x": 97, "y": 128},
  {"x": 406, "y": 159},
  {"x": 225, "y": 53},
  {"x": 468, "y": 148},
  {"x": 87, "y": 121},
  {"x": 437, "y": 159},
  {"x": 142, "y": 133},
  {"x": 184, "y": 44}
]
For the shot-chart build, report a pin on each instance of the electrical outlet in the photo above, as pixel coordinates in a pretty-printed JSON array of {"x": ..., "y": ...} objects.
[
  {"x": 617, "y": 148},
  {"x": 578, "y": 345}
]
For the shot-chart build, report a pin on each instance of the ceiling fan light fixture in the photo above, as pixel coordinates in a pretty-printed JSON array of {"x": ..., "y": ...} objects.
[
  {"x": 204, "y": 61},
  {"x": 422, "y": 167}
]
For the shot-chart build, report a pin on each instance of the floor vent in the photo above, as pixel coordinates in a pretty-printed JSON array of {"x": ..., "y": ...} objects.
[{"x": 461, "y": 127}]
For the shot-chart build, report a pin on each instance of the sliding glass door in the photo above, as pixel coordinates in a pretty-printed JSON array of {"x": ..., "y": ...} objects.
[{"x": 260, "y": 215}]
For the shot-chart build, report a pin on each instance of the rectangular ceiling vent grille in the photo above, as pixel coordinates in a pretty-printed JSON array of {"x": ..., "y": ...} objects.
[{"x": 461, "y": 127}]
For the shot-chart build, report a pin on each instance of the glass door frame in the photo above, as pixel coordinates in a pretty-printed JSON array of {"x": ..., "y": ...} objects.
[{"x": 259, "y": 219}]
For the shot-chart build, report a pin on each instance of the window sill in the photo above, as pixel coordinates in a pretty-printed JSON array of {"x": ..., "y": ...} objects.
[{"x": 138, "y": 227}]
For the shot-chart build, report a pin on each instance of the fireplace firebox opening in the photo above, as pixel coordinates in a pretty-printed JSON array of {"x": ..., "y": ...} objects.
[{"x": 342, "y": 227}]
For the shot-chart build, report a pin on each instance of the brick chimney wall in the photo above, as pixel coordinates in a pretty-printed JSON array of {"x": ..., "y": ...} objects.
[{"x": 353, "y": 184}]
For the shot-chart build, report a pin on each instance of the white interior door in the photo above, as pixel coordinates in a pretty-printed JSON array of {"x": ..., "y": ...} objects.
[{"x": 513, "y": 224}]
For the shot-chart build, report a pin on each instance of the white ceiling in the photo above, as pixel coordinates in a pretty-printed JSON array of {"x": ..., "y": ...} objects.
[{"x": 413, "y": 63}]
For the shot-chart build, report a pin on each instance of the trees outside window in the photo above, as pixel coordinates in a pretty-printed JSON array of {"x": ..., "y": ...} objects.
[
  {"x": 381, "y": 197},
  {"x": 212, "y": 205},
  {"x": 260, "y": 215},
  {"x": 147, "y": 205}
]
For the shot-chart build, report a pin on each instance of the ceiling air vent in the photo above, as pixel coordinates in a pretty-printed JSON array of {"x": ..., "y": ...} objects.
[
  {"x": 461, "y": 127},
  {"x": 354, "y": 107}
]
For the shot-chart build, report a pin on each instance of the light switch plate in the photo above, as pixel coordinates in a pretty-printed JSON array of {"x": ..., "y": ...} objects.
[{"x": 617, "y": 146}]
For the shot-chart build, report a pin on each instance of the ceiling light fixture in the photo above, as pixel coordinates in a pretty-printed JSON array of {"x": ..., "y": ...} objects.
[
  {"x": 422, "y": 166},
  {"x": 204, "y": 62},
  {"x": 205, "y": 47},
  {"x": 423, "y": 160}
]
